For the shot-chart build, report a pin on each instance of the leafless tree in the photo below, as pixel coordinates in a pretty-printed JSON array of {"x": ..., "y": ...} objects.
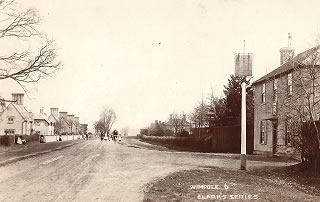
[
  {"x": 58, "y": 126},
  {"x": 215, "y": 109},
  {"x": 99, "y": 127},
  {"x": 108, "y": 118},
  {"x": 299, "y": 106},
  {"x": 198, "y": 116},
  {"x": 71, "y": 125},
  {"x": 24, "y": 65},
  {"x": 178, "y": 121}
]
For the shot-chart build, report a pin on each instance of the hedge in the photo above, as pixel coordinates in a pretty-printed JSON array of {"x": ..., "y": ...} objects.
[
  {"x": 203, "y": 144},
  {"x": 6, "y": 140}
]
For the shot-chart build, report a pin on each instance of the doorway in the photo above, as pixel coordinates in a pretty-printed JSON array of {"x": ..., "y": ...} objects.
[{"x": 274, "y": 137}]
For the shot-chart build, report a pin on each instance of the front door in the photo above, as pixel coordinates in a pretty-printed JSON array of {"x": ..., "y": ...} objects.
[{"x": 274, "y": 137}]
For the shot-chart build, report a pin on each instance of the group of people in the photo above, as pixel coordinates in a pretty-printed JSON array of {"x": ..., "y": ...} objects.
[{"x": 113, "y": 136}]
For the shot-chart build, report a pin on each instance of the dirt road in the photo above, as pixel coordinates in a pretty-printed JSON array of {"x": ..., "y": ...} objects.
[{"x": 98, "y": 171}]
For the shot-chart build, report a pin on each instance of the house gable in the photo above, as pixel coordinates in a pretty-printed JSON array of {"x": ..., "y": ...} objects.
[{"x": 17, "y": 120}]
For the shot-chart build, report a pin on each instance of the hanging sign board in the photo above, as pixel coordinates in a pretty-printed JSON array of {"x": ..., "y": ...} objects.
[{"x": 243, "y": 64}]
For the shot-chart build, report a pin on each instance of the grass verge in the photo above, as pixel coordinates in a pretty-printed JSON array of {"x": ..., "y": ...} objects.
[{"x": 216, "y": 184}]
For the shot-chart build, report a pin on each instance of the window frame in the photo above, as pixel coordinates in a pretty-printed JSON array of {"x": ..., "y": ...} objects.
[
  {"x": 263, "y": 132},
  {"x": 263, "y": 93},
  {"x": 9, "y": 132},
  {"x": 289, "y": 84},
  {"x": 10, "y": 121},
  {"x": 275, "y": 90}
]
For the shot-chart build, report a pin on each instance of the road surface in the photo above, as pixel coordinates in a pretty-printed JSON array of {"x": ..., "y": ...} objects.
[{"x": 98, "y": 171}]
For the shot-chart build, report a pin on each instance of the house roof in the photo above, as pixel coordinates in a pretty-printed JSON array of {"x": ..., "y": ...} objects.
[
  {"x": 22, "y": 110},
  {"x": 300, "y": 58},
  {"x": 54, "y": 117},
  {"x": 41, "y": 117}
]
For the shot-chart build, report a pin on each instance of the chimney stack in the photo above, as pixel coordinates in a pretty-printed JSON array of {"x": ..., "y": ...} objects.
[
  {"x": 18, "y": 98},
  {"x": 41, "y": 110},
  {"x": 63, "y": 114},
  {"x": 54, "y": 112},
  {"x": 287, "y": 53}
]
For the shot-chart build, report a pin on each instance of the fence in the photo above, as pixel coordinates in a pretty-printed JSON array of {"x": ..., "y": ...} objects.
[{"x": 228, "y": 139}]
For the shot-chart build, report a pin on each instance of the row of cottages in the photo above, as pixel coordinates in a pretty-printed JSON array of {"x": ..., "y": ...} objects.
[
  {"x": 16, "y": 120},
  {"x": 272, "y": 92}
]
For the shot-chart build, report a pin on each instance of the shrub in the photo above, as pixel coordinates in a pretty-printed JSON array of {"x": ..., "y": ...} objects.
[
  {"x": 35, "y": 137},
  {"x": 6, "y": 140},
  {"x": 183, "y": 133}
]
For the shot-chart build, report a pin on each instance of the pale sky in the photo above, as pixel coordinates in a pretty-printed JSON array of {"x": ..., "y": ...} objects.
[{"x": 149, "y": 58}]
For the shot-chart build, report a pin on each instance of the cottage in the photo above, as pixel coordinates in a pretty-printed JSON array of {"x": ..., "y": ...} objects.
[
  {"x": 42, "y": 126},
  {"x": 15, "y": 119}
]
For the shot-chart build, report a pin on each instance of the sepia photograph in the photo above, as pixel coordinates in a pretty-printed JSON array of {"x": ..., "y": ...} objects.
[{"x": 159, "y": 100}]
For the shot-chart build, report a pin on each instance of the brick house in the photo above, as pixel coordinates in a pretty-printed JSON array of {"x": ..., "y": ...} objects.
[
  {"x": 15, "y": 119},
  {"x": 271, "y": 132}
]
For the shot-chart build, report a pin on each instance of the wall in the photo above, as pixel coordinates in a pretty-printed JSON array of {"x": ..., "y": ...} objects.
[
  {"x": 228, "y": 139},
  {"x": 43, "y": 127},
  {"x": 263, "y": 112},
  {"x": 53, "y": 138},
  {"x": 17, "y": 123}
]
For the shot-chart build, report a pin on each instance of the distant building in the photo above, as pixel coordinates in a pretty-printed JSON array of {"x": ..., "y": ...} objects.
[
  {"x": 71, "y": 123},
  {"x": 15, "y": 119},
  {"x": 77, "y": 125},
  {"x": 84, "y": 129},
  {"x": 63, "y": 125},
  {"x": 178, "y": 124},
  {"x": 54, "y": 120}
]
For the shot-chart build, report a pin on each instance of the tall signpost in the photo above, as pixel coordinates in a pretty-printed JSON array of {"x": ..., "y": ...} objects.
[{"x": 243, "y": 67}]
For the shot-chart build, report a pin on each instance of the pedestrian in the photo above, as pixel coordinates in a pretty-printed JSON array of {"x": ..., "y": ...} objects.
[{"x": 115, "y": 134}]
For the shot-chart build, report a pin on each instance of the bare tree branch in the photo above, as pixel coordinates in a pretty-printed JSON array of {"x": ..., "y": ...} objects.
[{"x": 25, "y": 66}]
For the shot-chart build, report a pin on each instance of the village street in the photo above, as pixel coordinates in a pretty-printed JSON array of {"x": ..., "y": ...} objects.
[{"x": 99, "y": 171}]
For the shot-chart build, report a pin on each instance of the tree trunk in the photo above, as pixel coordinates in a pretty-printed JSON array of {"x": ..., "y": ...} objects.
[{"x": 317, "y": 162}]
